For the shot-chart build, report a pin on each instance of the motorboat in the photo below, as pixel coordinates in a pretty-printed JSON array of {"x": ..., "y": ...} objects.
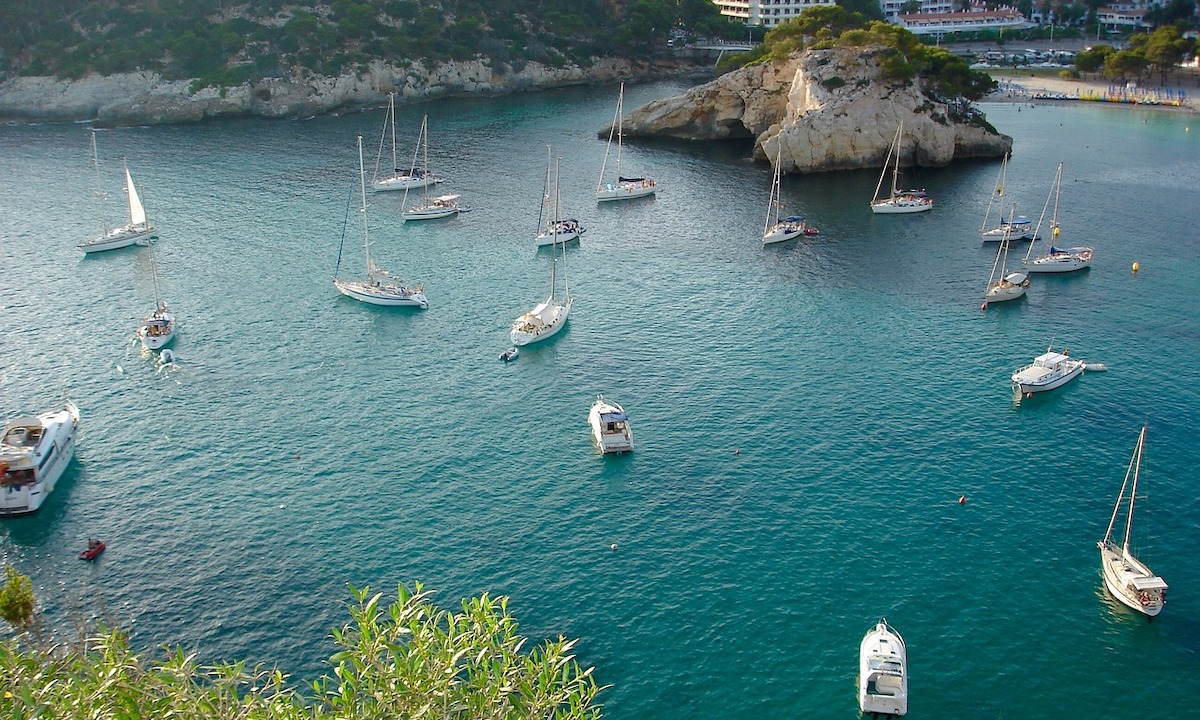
[
  {"x": 510, "y": 354},
  {"x": 34, "y": 452},
  {"x": 93, "y": 550},
  {"x": 1049, "y": 370},
  {"x": 157, "y": 328},
  {"x": 882, "y": 672},
  {"x": 610, "y": 427},
  {"x": 1128, "y": 579}
]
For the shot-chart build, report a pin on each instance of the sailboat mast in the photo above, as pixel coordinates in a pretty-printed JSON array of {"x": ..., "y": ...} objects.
[
  {"x": 620, "y": 127},
  {"x": 776, "y": 193},
  {"x": 1112, "y": 521},
  {"x": 1137, "y": 469},
  {"x": 896, "y": 170},
  {"x": 392, "y": 115},
  {"x": 362, "y": 190},
  {"x": 566, "y": 285},
  {"x": 425, "y": 154},
  {"x": 1037, "y": 231},
  {"x": 1057, "y": 193}
]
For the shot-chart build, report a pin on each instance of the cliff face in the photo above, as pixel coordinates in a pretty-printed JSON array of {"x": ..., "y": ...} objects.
[
  {"x": 147, "y": 99},
  {"x": 821, "y": 110}
]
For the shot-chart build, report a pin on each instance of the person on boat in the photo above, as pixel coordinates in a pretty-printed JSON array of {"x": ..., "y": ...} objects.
[{"x": 92, "y": 543}]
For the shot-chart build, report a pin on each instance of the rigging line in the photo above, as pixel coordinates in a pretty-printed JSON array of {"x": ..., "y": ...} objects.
[{"x": 345, "y": 223}]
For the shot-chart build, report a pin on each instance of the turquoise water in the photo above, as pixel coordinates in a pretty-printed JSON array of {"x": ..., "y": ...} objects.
[{"x": 806, "y": 415}]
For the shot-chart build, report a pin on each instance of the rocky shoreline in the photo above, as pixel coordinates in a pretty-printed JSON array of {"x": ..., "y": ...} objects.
[{"x": 145, "y": 98}]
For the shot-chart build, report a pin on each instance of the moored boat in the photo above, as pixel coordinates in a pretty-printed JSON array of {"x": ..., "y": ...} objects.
[
  {"x": 882, "y": 671},
  {"x": 1048, "y": 371},
  {"x": 34, "y": 452},
  {"x": 93, "y": 549},
  {"x": 610, "y": 426},
  {"x": 1128, "y": 579}
]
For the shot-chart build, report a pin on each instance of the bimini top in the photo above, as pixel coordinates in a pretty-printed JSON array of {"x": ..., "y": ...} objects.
[
  {"x": 1018, "y": 220},
  {"x": 614, "y": 416},
  {"x": 625, "y": 179},
  {"x": 1150, "y": 583},
  {"x": 1050, "y": 359}
]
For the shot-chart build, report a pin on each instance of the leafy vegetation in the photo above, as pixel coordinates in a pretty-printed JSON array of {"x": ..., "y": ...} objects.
[
  {"x": 406, "y": 660},
  {"x": 902, "y": 55},
  {"x": 224, "y": 41},
  {"x": 1161, "y": 51}
]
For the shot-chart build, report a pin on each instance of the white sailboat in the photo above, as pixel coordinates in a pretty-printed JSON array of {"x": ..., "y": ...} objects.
[
  {"x": 553, "y": 229},
  {"x": 624, "y": 188},
  {"x": 138, "y": 230},
  {"x": 1057, "y": 260},
  {"x": 400, "y": 179},
  {"x": 775, "y": 229},
  {"x": 549, "y": 316},
  {"x": 380, "y": 287},
  {"x": 1016, "y": 227},
  {"x": 157, "y": 329},
  {"x": 898, "y": 201},
  {"x": 882, "y": 671},
  {"x": 1126, "y": 577},
  {"x": 1004, "y": 285},
  {"x": 427, "y": 208}
]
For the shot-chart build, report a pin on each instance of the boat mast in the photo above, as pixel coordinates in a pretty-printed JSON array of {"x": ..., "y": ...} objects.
[
  {"x": 566, "y": 285},
  {"x": 1037, "y": 231},
  {"x": 776, "y": 193},
  {"x": 1057, "y": 192},
  {"x": 620, "y": 128},
  {"x": 896, "y": 170},
  {"x": 542, "y": 211},
  {"x": 997, "y": 193},
  {"x": 1112, "y": 521},
  {"x": 392, "y": 115},
  {"x": 886, "y": 160},
  {"x": 362, "y": 189},
  {"x": 1137, "y": 469}
]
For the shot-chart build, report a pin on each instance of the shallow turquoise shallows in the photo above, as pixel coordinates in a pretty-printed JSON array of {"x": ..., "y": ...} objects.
[{"x": 806, "y": 415}]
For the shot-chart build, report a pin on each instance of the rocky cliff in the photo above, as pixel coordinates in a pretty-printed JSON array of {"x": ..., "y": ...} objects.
[
  {"x": 147, "y": 99},
  {"x": 821, "y": 110}
]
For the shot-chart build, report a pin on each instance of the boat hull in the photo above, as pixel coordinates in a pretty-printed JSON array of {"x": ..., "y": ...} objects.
[
  {"x": 551, "y": 319},
  {"x": 779, "y": 234},
  {"x": 889, "y": 207},
  {"x": 1117, "y": 576},
  {"x": 616, "y": 437},
  {"x": 882, "y": 672},
  {"x": 1075, "y": 259},
  {"x": 404, "y": 182},
  {"x": 430, "y": 213},
  {"x": 60, "y": 431},
  {"x": 625, "y": 191},
  {"x": 1051, "y": 383},
  {"x": 158, "y": 342},
  {"x": 119, "y": 238},
  {"x": 998, "y": 293},
  {"x": 559, "y": 239},
  {"x": 386, "y": 295}
]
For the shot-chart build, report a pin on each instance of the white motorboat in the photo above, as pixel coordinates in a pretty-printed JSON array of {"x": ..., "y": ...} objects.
[
  {"x": 1127, "y": 578},
  {"x": 882, "y": 672},
  {"x": 34, "y": 452},
  {"x": 610, "y": 427},
  {"x": 380, "y": 287},
  {"x": 1057, "y": 260},
  {"x": 427, "y": 208},
  {"x": 137, "y": 231},
  {"x": 778, "y": 229},
  {"x": 898, "y": 202},
  {"x": 553, "y": 228},
  {"x": 1049, "y": 370},
  {"x": 623, "y": 188},
  {"x": 400, "y": 179}
]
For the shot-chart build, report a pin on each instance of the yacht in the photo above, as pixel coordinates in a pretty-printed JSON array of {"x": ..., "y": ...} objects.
[
  {"x": 610, "y": 427},
  {"x": 1018, "y": 227},
  {"x": 33, "y": 454},
  {"x": 882, "y": 672},
  {"x": 1048, "y": 371},
  {"x": 157, "y": 328}
]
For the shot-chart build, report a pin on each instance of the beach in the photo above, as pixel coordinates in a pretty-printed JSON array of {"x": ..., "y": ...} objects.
[{"x": 1025, "y": 87}]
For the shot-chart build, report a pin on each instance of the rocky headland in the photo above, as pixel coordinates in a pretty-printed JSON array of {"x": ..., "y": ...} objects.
[
  {"x": 146, "y": 98},
  {"x": 822, "y": 110}
]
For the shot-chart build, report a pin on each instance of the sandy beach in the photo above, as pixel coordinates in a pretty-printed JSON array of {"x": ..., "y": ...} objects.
[{"x": 1016, "y": 86}]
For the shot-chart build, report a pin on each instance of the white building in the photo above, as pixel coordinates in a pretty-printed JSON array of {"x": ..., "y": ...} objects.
[
  {"x": 767, "y": 13},
  {"x": 893, "y": 8},
  {"x": 945, "y": 22}
]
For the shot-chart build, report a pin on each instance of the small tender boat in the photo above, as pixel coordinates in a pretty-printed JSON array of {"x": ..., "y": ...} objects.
[
  {"x": 510, "y": 354},
  {"x": 94, "y": 548},
  {"x": 1049, "y": 370},
  {"x": 882, "y": 671},
  {"x": 34, "y": 451},
  {"x": 610, "y": 427}
]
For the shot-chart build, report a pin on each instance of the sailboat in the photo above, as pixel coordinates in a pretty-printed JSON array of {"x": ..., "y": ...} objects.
[
  {"x": 1126, "y": 577},
  {"x": 400, "y": 179},
  {"x": 380, "y": 287},
  {"x": 1017, "y": 227},
  {"x": 1057, "y": 260},
  {"x": 898, "y": 201},
  {"x": 137, "y": 230},
  {"x": 1003, "y": 285},
  {"x": 550, "y": 315},
  {"x": 776, "y": 230},
  {"x": 158, "y": 328},
  {"x": 625, "y": 188},
  {"x": 428, "y": 208},
  {"x": 553, "y": 228}
]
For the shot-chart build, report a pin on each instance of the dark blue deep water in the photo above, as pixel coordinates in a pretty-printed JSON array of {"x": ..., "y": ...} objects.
[{"x": 306, "y": 441}]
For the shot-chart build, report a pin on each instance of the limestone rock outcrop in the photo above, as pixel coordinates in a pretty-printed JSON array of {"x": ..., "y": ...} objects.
[
  {"x": 822, "y": 110},
  {"x": 145, "y": 98}
]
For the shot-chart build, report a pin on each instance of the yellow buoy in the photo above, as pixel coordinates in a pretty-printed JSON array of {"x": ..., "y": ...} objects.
[{"x": 1136, "y": 267}]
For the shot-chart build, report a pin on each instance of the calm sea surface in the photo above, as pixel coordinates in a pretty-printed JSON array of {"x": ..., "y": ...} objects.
[{"x": 306, "y": 441}]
